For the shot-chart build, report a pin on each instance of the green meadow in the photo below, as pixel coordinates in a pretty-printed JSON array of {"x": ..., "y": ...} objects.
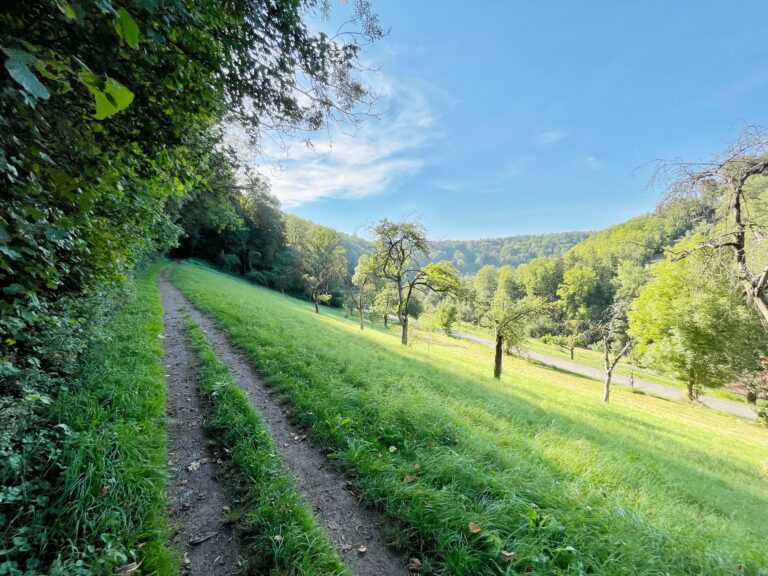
[{"x": 552, "y": 480}]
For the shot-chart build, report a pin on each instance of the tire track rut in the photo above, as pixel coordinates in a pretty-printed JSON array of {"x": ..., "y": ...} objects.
[
  {"x": 208, "y": 544},
  {"x": 348, "y": 524}
]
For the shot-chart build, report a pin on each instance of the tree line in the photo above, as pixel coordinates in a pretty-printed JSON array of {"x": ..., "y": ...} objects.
[{"x": 623, "y": 291}]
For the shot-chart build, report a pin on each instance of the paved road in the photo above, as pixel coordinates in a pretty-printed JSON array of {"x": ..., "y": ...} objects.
[{"x": 720, "y": 404}]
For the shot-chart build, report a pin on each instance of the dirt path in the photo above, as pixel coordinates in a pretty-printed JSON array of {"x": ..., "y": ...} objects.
[
  {"x": 722, "y": 404},
  {"x": 209, "y": 546},
  {"x": 346, "y": 522}
]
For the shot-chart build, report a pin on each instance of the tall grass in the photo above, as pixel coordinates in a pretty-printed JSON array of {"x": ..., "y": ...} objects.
[
  {"x": 280, "y": 532},
  {"x": 556, "y": 482},
  {"x": 104, "y": 504}
]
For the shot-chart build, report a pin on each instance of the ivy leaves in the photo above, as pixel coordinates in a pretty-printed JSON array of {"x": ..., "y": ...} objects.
[
  {"x": 127, "y": 28},
  {"x": 18, "y": 66},
  {"x": 111, "y": 97}
]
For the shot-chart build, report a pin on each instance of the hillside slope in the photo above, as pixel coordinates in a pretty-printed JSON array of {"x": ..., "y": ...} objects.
[{"x": 529, "y": 474}]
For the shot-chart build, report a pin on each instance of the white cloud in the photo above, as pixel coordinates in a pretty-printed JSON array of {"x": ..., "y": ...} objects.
[
  {"x": 369, "y": 161},
  {"x": 548, "y": 137},
  {"x": 592, "y": 163}
]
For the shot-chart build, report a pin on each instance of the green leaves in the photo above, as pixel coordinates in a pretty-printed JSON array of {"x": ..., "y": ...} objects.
[
  {"x": 127, "y": 28},
  {"x": 18, "y": 66},
  {"x": 111, "y": 97}
]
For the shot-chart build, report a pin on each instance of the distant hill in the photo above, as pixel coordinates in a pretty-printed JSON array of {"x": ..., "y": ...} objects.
[
  {"x": 470, "y": 255},
  {"x": 641, "y": 239}
]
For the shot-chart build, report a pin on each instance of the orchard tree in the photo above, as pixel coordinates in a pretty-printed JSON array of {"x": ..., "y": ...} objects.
[
  {"x": 735, "y": 181},
  {"x": 322, "y": 257},
  {"x": 446, "y": 314},
  {"x": 693, "y": 325},
  {"x": 576, "y": 297},
  {"x": 384, "y": 302},
  {"x": 616, "y": 341},
  {"x": 399, "y": 249},
  {"x": 364, "y": 282},
  {"x": 507, "y": 313}
]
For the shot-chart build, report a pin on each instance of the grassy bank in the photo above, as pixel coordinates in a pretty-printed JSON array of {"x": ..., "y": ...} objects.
[
  {"x": 553, "y": 481},
  {"x": 99, "y": 479},
  {"x": 280, "y": 532}
]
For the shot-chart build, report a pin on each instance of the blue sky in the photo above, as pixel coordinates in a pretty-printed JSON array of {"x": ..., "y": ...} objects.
[{"x": 511, "y": 117}]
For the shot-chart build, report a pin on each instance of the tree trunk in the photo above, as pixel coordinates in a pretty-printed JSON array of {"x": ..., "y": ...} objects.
[
  {"x": 498, "y": 357},
  {"x": 317, "y": 310},
  {"x": 689, "y": 387},
  {"x": 608, "y": 370},
  {"x": 607, "y": 386},
  {"x": 404, "y": 335},
  {"x": 571, "y": 351},
  {"x": 385, "y": 320},
  {"x": 360, "y": 307}
]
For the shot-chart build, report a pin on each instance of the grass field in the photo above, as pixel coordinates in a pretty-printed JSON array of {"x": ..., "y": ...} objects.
[{"x": 556, "y": 482}]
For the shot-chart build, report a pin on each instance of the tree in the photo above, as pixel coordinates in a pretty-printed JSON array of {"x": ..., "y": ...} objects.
[
  {"x": 384, "y": 303},
  {"x": 398, "y": 249},
  {"x": 735, "y": 180},
  {"x": 693, "y": 325},
  {"x": 111, "y": 114},
  {"x": 616, "y": 342},
  {"x": 322, "y": 258},
  {"x": 541, "y": 277},
  {"x": 507, "y": 313},
  {"x": 364, "y": 281},
  {"x": 576, "y": 293},
  {"x": 446, "y": 315},
  {"x": 484, "y": 285},
  {"x": 630, "y": 278}
]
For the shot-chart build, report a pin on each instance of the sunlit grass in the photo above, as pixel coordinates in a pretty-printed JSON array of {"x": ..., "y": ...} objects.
[
  {"x": 642, "y": 486},
  {"x": 594, "y": 359}
]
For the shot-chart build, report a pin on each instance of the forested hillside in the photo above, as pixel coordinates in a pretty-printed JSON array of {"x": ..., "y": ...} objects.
[{"x": 468, "y": 256}]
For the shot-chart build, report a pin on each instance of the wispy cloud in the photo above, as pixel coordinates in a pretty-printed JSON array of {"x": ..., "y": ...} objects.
[
  {"x": 592, "y": 163},
  {"x": 548, "y": 137},
  {"x": 370, "y": 161}
]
